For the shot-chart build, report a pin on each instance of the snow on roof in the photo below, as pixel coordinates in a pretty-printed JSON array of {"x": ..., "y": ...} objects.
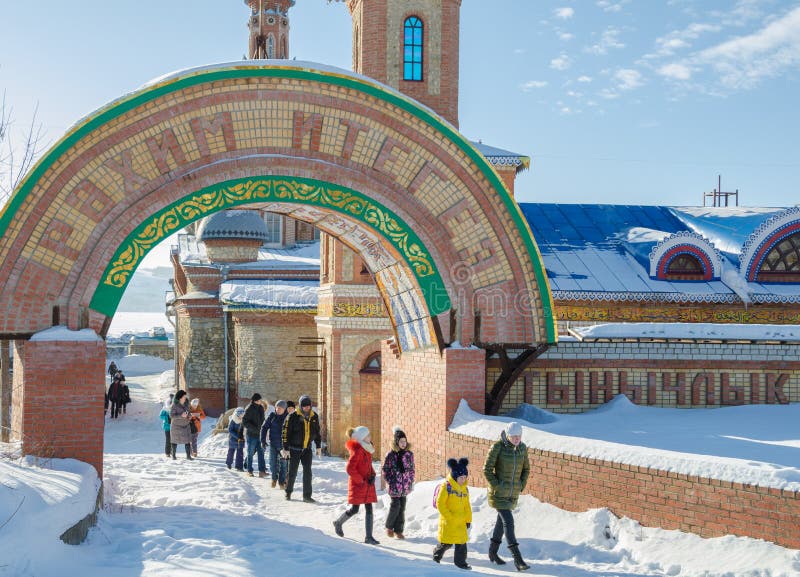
[
  {"x": 62, "y": 333},
  {"x": 270, "y": 294},
  {"x": 298, "y": 257},
  {"x": 602, "y": 252},
  {"x": 699, "y": 331}
]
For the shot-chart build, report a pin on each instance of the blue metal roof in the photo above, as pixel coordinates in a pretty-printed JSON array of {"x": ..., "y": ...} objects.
[{"x": 602, "y": 251}]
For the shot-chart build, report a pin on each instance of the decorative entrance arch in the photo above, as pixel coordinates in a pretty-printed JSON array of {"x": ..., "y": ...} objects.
[{"x": 365, "y": 163}]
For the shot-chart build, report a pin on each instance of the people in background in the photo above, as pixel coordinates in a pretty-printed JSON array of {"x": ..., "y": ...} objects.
[
  {"x": 271, "y": 434},
  {"x": 179, "y": 424},
  {"x": 252, "y": 421},
  {"x": 195, "y": 427},
  {"x": 300, "y": 430},
  {"x": 115, "y": 396},
  {"x": 398, "y": 474},
  {"x": 125, "y": 392},
  {"x": 455, "y": 513},
  {"x": 236, "y": 440},
  {"x": 165, "y": 424},
  {"x": 360, "y": 482},
  {"x": 506, "y": 470}
]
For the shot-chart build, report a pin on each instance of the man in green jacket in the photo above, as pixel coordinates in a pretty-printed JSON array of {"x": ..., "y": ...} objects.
[{"x": 506, "y": 470}]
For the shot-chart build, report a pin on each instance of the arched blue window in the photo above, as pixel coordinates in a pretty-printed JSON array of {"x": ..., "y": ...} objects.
[{"x": 412, "y": 49}]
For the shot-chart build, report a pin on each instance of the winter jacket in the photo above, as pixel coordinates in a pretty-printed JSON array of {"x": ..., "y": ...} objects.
[
  {"x": 179, "y": 433},
  {"x": 125, "y": 393},
  {"x": 112, "y": 369},
  {"x": 201, "y": 415},
  {"x": 299, "y": 432},
  {"x": 455, "y": 511},
  {"x": 273, "y": 428},
  {"x": 253, "y": 419},
  {"x": 506, "y": 471},
  {"x": 235, "y": 435},
  {"x": 360, "y": 475},
  {"x": 398, "y": 472},
  {"x": 115, "y": 391},
  {"x": 164, "y": 418}
]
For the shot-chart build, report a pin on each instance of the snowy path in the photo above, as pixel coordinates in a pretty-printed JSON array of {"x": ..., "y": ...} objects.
[{"x": 173, "y": 518}]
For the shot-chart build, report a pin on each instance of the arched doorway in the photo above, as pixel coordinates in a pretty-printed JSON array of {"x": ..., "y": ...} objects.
[{"x": 365, "y": 164}]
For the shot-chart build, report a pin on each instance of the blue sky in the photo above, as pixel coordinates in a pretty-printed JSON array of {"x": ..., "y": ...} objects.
[{"x": 616, "y": 101}]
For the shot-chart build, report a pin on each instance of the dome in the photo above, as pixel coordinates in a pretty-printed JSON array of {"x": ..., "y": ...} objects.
[{"x": 233, "y": 224}]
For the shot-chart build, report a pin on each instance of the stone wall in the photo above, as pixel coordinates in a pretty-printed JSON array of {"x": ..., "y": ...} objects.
[
  {"x": 578, "y": 376},
  {"x": 160, "y": 349},
  {"x": 201, "y": 363},
  {"x": 653, "y": 497}
]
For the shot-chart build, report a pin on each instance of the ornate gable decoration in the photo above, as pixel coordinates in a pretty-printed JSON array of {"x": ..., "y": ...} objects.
[
  {"x": 764, "y": 238},
  {"x": 682, "y": 243}
]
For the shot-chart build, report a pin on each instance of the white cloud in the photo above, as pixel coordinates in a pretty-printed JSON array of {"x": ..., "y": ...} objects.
[
  {"x": 564, "y": 13},
  {"x": 531, "y": 84},
  {"x": 676, "y": 71},
  {"x": 561, "y": 62},
  {"x": 519, "y": 51},
  {"x": 681, "y": 39},
  {"x": 565, "y": 36},
  {"x": 584, "y": 78},
  {"x": 608, "y": 40},
  {"x": 611, "y": 6},
  {"x": 628, "y": 79}
]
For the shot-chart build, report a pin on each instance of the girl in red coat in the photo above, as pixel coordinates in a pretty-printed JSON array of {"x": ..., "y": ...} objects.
[{"x": 360, "y": 482}]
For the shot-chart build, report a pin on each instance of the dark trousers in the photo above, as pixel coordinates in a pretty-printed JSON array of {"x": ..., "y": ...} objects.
[
  {"x": 188, "y": 450},
  {"x": 295, "y": 459},
  {"x": 254, "y": 446},
  {"x": 277, "y": 465},
  {"x": 459, "y": 555},
  {"x": 167, "y": 444},
  {"x": 239, "y": 452},
  {"x": 115, "y": 409},
  {"x": 504, "y": 524},
  {"x": 396, "y": 518}
]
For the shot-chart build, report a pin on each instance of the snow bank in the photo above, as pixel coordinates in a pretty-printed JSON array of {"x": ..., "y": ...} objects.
[
  {"x": 62, "y": 333},
  {"x": 143, "y": 365}
]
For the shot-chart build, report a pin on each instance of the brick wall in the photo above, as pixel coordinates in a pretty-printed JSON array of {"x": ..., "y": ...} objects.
[
  {"x": 654, "y": 498},
  {"x": 62, "y": 385}
]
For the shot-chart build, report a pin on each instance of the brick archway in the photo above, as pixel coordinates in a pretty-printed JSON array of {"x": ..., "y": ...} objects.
[{"x": 370, "y": 166}]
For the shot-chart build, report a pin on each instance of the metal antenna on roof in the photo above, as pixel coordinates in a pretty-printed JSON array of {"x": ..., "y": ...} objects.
[{"x": 718, "y": 196}]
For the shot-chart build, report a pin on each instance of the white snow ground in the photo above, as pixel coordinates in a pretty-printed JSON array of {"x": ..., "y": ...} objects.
[{"x": 176, "y": 518}]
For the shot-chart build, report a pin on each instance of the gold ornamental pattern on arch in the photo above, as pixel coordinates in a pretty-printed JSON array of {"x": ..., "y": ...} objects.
[{"x": 223, "y": 197}]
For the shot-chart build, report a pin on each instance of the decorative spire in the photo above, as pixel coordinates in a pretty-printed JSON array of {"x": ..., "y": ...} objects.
[{"x": 269, "y": 28}]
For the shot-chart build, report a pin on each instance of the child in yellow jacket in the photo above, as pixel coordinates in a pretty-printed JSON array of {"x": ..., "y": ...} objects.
[{"x": 455, "y": 513}]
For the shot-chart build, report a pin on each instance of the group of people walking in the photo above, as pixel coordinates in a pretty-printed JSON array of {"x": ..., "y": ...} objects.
[
  {"x": 291, "y": 435},
  {"x": 118, "y": 395}
]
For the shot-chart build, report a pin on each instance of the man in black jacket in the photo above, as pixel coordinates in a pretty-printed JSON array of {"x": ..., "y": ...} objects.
[
  {"x": 299, "y": 430},
  {"x": 252, "y": 421}
]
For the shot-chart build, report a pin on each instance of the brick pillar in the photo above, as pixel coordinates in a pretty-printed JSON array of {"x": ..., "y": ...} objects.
[
  {"x": 421, "y": 391},
  {"x": 58, "y": 398}
]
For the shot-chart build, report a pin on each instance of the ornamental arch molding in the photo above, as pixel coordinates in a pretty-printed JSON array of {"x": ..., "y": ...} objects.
[
  {"x": 685, "y": 243},
  {"x": 375, "y": 169},
  {"x": 765, "y": 238}
]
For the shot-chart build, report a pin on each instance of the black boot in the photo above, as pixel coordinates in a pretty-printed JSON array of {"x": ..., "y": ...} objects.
[
  {"x": 369, "y": 539},
  {"x": 460, "y": 559},
  {"x": 337, "y": 525},
  {"x": 518, "y": 561},
  {"x": 438, "y": 551},
  {"x": 188, "y": 453},
  {"x": 493, "y": 557}
]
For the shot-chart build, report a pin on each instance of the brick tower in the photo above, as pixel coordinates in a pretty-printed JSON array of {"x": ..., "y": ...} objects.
[
  {"x": 411, "y": 45},
  {"x": 269, "y": 28}
]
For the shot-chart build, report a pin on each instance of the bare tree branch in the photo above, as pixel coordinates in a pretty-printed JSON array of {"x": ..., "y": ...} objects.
[{"x": 16, "y": 161}]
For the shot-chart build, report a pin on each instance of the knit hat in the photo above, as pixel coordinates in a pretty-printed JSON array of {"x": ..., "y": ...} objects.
[
  {"x": 458, "y": 468},
  {"x": 398, "y": 434},
  {"x": 360, "y": 433},
  {"x": 305, "y": 401},
  {"x": 290, "y": 404},
  {"x": 280, "y": 404},
  {"x": 194, "y": 402},
  {"x": 255, "y": 397},
  {"x": 238, "y": 414},
  {"x": 513, "y": 429}
]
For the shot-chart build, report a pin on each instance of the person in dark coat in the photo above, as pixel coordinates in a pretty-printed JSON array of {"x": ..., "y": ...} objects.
[
  {"x": 115, "y": 396},
  {"x": 271, "y": 433},
  {"x": 236, "y": 440},
  {"x": 112, "y": 370},
  {"x": 398, "y": 473},
  {"x": 506, "y": 470},
  {"x": 300, "y": 430},
  {"x": 179, "y": 424},
  {"x": 360, "y": 482},
  {"x": 252, "y": 421},
  {"x": 125, "y": 392}
]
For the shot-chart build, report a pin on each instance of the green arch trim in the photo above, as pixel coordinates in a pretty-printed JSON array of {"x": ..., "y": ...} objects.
[
  {"x": 241, "y": 191},
  {"x": 361, "y": 84}
]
